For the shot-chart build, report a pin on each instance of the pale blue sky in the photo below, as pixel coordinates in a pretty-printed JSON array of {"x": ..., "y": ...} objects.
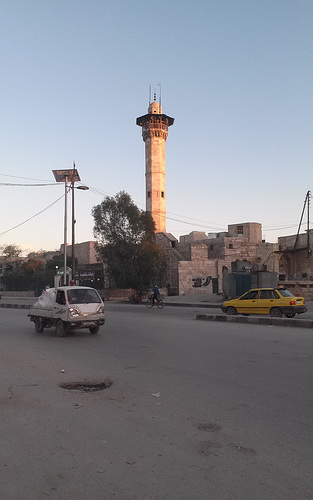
[{"x": 237, "y": 76}]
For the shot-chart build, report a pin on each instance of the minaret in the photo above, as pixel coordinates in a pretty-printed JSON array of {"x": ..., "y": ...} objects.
[{"x": 154, "y": 133}]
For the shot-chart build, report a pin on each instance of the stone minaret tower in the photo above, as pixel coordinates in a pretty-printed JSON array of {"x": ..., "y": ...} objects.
[{"x": 154, "y": 133}]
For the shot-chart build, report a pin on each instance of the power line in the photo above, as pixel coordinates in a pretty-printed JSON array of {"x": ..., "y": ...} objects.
[
  {"x": 9, "y": 184},
  {"x": 22, "y": 223},
  {"x": 205, "y": 224},
  {"x": 19, "y": 177}
]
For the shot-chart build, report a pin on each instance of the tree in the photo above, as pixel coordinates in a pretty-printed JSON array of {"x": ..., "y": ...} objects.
[
  {"x": 126, "y": 243},
  {"x": 11, "y": 251}
]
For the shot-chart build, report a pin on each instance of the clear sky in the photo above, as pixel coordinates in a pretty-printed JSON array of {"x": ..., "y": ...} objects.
[{"x": 237, "y": 76}]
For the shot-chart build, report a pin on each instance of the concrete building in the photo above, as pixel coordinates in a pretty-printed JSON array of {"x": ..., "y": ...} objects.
[{"x": 154, "y": 133}]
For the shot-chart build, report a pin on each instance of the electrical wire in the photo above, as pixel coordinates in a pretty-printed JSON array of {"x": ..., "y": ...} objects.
[
  {"x": 9, "y": 184},
  {"x": 205, "y": 224},
  {"x": 209, "y": 226},
  {"x": 19, "y": 177},
  {"x": 41, "y": 211}
]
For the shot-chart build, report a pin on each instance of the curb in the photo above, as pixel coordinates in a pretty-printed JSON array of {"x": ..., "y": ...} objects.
[
  {"x": 299, "y": 323},
  {"x": 15, "y": 306},
  {"x": 177, "y": 304},
  {"x": 170, "y": 304}
]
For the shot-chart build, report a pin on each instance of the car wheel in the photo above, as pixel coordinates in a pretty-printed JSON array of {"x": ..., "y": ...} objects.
[
  {"x": 39, "y": 325},
  {"x": 290, "y": 315},
  {"x": 231, "y": 311},
  {"x": 60, "y": 328},
  {"x": 276, "y": 312},
  {"x": 94, "y": 329}
]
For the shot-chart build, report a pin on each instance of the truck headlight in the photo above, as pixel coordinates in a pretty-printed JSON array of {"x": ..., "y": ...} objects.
[
  {"x": 73, "y": 312},
  {"x": 100, "y": 309}
]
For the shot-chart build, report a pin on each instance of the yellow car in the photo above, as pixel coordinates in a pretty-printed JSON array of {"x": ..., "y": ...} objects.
[{"x": 273, "y": 301}]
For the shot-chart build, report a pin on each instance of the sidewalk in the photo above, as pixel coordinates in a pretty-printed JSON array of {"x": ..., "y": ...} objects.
[
  {"x": 199, "y": 300},
  {"x": 17, "y": 302},
  {"x": 191, "y": 300}
]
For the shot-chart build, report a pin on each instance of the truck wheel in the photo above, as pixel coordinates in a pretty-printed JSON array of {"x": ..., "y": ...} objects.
[
  {"x": 39, "y": 325},
  {"x": 60, "y": 328},
  {"x": 94, "y": 329}
]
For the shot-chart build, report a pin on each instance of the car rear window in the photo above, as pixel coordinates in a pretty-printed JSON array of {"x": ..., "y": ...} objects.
[{"x": 285, "y": 293}]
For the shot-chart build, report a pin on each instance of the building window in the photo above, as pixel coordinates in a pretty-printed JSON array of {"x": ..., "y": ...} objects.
[
  {"x": 162, "y": 194},
  {"x": 239, "y": 229},
  {"x": 231, "y": 246},
  {"x": 149, "y": 194}
]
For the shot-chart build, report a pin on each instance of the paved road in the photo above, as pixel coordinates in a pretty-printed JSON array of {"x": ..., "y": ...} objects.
[{"x": 197, "y": 410}]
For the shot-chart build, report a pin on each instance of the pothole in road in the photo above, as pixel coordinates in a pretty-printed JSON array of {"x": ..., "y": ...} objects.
[{"x": 87, "y": 386}]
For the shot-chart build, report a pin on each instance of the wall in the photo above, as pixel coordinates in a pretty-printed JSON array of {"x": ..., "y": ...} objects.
[
  {"x": 194, "y": 261},
  {"x": 251, "y": 230},
  {"x": 194, "y": 276},
  {"x": 85, "y": 252}
]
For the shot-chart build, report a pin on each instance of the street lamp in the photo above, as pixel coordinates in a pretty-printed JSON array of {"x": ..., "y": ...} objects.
[
  {"x": 82, "y": 188},
  {"x": 70, "y": 175}
]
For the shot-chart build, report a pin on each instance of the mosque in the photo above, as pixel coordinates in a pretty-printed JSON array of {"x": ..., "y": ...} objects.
[
  {"x": 198, "y": 263},
  {"x": 228, "y": 262}
]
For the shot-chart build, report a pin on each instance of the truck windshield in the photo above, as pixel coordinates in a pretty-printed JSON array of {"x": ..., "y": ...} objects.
[{"x": 82, "y": 296}]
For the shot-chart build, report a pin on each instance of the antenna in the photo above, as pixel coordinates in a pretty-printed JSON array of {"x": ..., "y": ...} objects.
[
  {"x": 149, "y": 95},
  {"x": 160, "y": 100}
]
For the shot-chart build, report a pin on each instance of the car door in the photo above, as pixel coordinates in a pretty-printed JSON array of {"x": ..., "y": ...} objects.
[
  {"x": 247, "y": 302},
  {"x": 61, "y": 306},
  {"x": 265, "y": 301}
]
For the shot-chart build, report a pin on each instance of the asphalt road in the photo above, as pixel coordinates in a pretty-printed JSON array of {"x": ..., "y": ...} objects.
[{"x": 197, "y": 410}]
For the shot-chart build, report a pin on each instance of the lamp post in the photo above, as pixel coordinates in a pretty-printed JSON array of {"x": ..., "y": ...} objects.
[
  {"x": 65, "y": 176},
  {"x": 83, "y": 188}
]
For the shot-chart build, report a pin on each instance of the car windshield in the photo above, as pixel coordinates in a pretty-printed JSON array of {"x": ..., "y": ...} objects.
[
  {"x": 285, "y": 293},
  {"x": 80, "y": 296}
]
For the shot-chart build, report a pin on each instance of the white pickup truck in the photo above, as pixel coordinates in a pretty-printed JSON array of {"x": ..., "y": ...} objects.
[{"x": 67, "y": 308}]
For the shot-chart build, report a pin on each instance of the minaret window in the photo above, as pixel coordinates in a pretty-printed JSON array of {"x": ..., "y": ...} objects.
[
  {"x": 149, "y": 194},
  {"x": 162, "y": 194}
]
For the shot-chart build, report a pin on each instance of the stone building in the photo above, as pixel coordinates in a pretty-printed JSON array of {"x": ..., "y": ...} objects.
[
  {"x": 196, "y": 263},
  {"x": 89, "y": 271},
  {"x": 296, "y": 261},
  {"x": 85, "y": 252}
]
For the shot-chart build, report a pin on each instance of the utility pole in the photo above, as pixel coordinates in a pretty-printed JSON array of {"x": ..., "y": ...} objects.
[
  {"x": 308, "y": 222},
  {"x": 73, "y": 176},
  {"x": 65, "y": 233},
  {"x": 73, "y": 223},
  {"x": 306, "y": 202}
]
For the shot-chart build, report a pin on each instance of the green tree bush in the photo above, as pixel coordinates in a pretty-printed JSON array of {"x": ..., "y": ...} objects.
[{"x": 126, "y": 243}]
